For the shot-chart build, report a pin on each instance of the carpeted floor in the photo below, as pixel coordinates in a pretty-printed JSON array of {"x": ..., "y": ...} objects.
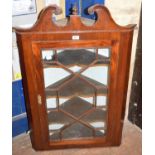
[{"x": 131, "y": 145}]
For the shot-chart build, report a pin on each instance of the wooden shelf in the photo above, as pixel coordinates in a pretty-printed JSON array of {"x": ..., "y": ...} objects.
[
  {"x": 75, "y": 131},
  {"x": 76, "y": 87},
  {"x": 76, "y": 106},
  {"x": 58, "y": 117},
  {"x": 96, "y": 116},
  {"x": 78, "y": 57}
]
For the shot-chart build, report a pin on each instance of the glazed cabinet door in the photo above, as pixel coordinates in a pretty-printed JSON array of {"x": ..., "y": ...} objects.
[
  {"x": 75, "y": 88},
  {"x": 75, "y": 74}
]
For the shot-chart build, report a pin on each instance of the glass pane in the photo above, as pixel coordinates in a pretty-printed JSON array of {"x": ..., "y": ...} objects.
[
  {"x": 95, "y": 74},
  {"x": 101, "y": 101},
  {"x": 76, "y": 106},
  {"x": 77, "y": 130},
  {"x": 104, "y": 52},
  {"x": 76, "y": 59},
  {"x": 76, "y": 87}
]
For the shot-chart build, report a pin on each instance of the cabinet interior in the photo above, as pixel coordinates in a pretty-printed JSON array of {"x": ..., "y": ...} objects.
[{"x": 76, "y": 90}]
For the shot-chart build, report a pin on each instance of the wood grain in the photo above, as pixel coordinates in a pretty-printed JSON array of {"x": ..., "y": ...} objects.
[{"x": 45, "y": 34}]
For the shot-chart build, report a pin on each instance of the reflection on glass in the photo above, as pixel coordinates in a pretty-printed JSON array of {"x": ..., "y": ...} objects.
[
  {"x": 104, "y": 52},
  {"x": 76, "y": 87},
  {"x": 95, "y": 74}
]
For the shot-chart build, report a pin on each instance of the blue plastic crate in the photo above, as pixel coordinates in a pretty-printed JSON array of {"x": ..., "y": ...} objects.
[
  {"x": 19, "y": 126},
  {"x": 18, "y": 100}
]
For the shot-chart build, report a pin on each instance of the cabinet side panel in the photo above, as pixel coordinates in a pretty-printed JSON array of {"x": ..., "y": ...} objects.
[
  {"x": 26, "y": 62},
  {"x": 122, "y": 81}
]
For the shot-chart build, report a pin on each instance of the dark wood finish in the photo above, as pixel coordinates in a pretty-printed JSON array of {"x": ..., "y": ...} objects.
[
  {"x": 135, "y": 107},
  {"x": 104, "y": 33}
]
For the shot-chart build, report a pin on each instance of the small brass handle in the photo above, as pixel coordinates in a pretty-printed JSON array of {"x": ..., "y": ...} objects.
[{"x": 39, "y": 100}]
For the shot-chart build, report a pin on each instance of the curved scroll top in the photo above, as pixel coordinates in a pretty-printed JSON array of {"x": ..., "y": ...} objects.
[
  {"x": 104, "y": 20},
  {"x": 55, "y": 9}
]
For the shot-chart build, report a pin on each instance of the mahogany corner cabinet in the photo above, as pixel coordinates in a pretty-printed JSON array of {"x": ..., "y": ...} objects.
[{"x": 75, "y": 77}]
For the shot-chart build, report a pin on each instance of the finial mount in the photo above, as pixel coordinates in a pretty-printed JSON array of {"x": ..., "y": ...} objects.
[{"x": 75, "y": 10}]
